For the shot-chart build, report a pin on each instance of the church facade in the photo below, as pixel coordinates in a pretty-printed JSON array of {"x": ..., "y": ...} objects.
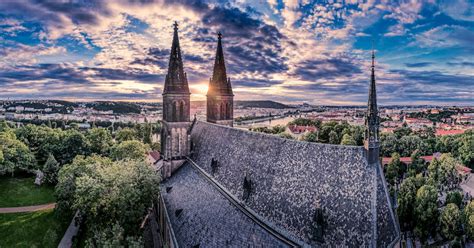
[{"x": 226, "y": 187}]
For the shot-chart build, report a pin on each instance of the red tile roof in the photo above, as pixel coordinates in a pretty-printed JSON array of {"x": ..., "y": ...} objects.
[
  {"x": 154, "y": 154},
  {"x": 440, "y": 132},
  {"x": 301, "y": 129}
]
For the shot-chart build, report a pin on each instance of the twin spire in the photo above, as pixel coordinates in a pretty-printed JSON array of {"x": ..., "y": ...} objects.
[
  {"x": 219, "y": 83},
  {"x": 176, "y": 80}
]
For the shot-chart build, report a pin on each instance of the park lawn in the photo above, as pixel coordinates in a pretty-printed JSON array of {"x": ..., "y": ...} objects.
[
  {"x": 21, "y": 191},
  {"x": 34, "y": 229}
]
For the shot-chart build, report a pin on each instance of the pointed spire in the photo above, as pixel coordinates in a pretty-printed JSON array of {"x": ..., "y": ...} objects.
[
  {"x": 219, "y": 83},
  {"x": 372, "y": 103},
  {"x": 176, "y": 81}
]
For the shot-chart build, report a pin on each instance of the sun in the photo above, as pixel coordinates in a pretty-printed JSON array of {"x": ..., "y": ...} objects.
[{"x": 199, "y": 91}]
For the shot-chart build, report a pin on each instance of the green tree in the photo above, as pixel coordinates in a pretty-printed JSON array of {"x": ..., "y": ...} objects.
[
  {"x": 451, "y": 222},
  {"x": 394, "y": 169},
  {"x": 66, "y": 186},
  {"x": 126, "y": 134},
  {"x": 285, "y": 135},
  {"x": 434, "y": 171},
  {"x": 16, "y": 155},
  {"x": 406, "y": 203},
  {"x": 448, "y": 173},
  {"x": 109, "y": 192},
  {"x": 426, "y": 211},
  {"x": 333, "y": 138},
  {"x": 130, "y": 149},
  {"x": 50, "y": 170},
  {"x": 310, "y": 137},
  {"x": 348, "y": 140},
  {"x": 466, "y": 149},
  {"x": 73, "y": 143},
  {"x": 305, "y": 122},
  {"x": 113, "y": 236},
  {"x": 417, "y": 162},
  {"x": 468, "y": 219},
  {"x": 454, "y": 197},
  {"x": 100, "y": 140},
  {"x": 389, "y": 144}
]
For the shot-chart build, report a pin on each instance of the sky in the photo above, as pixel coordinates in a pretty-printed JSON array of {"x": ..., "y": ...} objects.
[{"x": 284, "y": 50}]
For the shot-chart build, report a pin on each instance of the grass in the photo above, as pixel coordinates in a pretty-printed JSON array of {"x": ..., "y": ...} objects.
[
  {"x": 21, "y": 191},
  {"x": 35, "y": 229}
]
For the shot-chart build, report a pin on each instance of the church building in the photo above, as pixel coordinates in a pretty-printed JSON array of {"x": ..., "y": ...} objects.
[{"x": 227, "y": 187}]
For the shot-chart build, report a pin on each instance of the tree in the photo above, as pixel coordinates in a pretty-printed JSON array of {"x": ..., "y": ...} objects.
[
  {"x": 468, "y": 217},
  {"x": 394, "y": 169},
  {"x": 100, "y": 140},
  {"x": 305, "y": 122},
  {"x": 285, "y": 136},
  {"x": 15, "y": 155},
  {"x": 126, "y": 134},
  {"x": 406, "y": 203},
  {"x": 348, "y": 140},
  {"x": 448, "y": 172},
  {"x": 108, "y": 192},
  {"x": 310, "y": 137},
  {"x": 389, "y": 144},
  {"x": 333, "y": 138},
  {"x": 66, "y": 186},
  {"x": 434, "y": 171},
  {"x": 50, "y": 170},
  {"x": 466, "y": 150},
  {"x": 417, "y": 162},
  {"x": 130, "y": 149},
  {"x": 113, "y": 237},
  {"x": 454, "y": 197},
  {"x": 426, "y": 211},
  {"x": 450, "y": 222},
  {"x": 73, "y": 143}
]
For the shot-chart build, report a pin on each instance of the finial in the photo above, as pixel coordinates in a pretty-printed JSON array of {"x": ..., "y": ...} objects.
[
  {"x": 219, "y": 35},
  {"x": 175, "y": 25},
  {"x": 373, "y": 54}
]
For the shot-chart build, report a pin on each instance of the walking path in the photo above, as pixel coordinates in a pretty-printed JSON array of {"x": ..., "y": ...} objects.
[{"x": 27, "y": 208}]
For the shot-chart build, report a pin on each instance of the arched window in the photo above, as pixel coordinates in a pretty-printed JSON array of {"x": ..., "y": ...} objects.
[
  {"x": 222, "y": 112},
  {"x": 181, "y": 111},
  {"x": 173, "y": 112},
  {"x": 229, "y": 111}
]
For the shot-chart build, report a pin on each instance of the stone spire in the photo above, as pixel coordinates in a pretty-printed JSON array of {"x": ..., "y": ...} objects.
[
  {"x": 219, "y": 83},
  {"x": 372, "y": 120},
  {"x": 176, "y": 81}
]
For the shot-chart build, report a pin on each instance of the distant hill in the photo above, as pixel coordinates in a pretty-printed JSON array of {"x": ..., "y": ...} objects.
[
  {"x": 117, "y": 107},
  {"x": 261, "y": 104}
]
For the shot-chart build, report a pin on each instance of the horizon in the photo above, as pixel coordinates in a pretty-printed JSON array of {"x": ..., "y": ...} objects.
[{"x": 301, "y": 52}]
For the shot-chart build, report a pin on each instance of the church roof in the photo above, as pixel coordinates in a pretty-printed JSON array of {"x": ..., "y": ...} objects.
[
  {"x": 203, "y": 216},
  {"x": 292, "y": 180}
]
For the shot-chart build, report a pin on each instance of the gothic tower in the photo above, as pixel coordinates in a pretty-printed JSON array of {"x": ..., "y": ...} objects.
[
  {"x": 220, "y": 99},
  {"x": 176, "y": 111},
  {"x": 372, "y": 121}
]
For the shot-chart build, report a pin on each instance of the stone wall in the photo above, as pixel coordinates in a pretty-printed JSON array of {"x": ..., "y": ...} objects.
[{"x": 291, "y": 179}]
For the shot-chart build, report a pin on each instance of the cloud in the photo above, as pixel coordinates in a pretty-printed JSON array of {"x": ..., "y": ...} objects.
[{"x": 419, "y": 64}]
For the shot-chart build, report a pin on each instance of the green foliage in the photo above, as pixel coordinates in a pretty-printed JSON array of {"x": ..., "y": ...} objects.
[
  {"x": 113, "y": 237},
  {"x": 130, "y": 149},
  {"x": 466, "y": 149},
  {"x": 100, "y": 140},
  {"x": 285, "y": 135},
  {"x": 305, "y": 122},
  {"x": 15, "y": 155},
  {"x": 108, "y": 192},
  {"x": 394, "y": 169},
  {"x": 406, "y": 203},
  {"x": 73, "y": 143},
  {"x": 426, "y": 211},
  {"x": 50, "y": 170},
  {"x": 310, "y": 137},
  {"x": 469, "y": 220},
  {"x": 333, "y": 138},
  {"x": 273, "y": 130},
  {"x": 451, "y": 222},
  {"x": 454, "y": 197},
  {"x": 126, "y": 134},
  {"x": 348, "y": 140}
]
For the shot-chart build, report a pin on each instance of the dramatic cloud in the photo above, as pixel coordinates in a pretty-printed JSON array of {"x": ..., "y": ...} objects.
[{"x": 293, "y": 50}]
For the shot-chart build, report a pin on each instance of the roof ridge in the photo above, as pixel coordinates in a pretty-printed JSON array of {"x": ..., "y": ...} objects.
[{"x": 257, "y": 219}]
